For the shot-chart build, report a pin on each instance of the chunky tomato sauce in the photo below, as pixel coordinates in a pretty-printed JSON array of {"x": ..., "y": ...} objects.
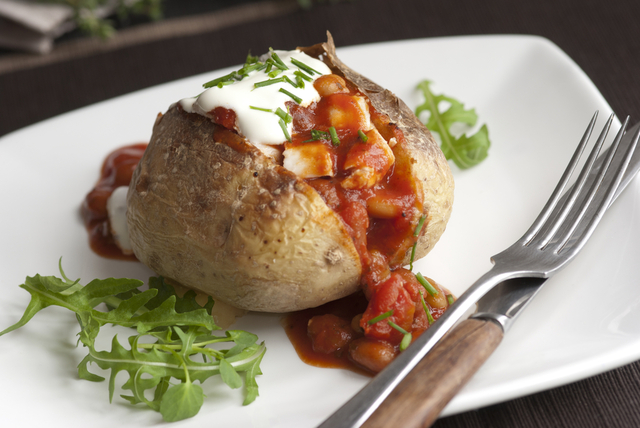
[
  {"x": 116, "y": 171},
  {"x": 381, "y": 215}
]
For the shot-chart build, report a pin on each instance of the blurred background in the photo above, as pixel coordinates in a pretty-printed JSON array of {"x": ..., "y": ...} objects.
[{"x": 137, "y": 44}]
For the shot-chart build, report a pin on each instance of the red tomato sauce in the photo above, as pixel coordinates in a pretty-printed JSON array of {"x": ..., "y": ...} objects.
[
  {"x": 346, "y": 333},
  {"x": 116, "y": 171}
]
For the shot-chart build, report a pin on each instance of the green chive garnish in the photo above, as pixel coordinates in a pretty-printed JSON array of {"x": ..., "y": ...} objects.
[
  {"x": 380, "y": 317},
  {"x": 268, "y": 110},
  {"x": 450, "y": 299},
  {"x": 427, "y": 286},
  {"x": 215, "y": 82},
  {"x": 293, "y": 97},
  {"x": 278, "y": 61},
  {"x": 291, "y": 82},
  {"x": 249, "y": 68},
  {"x": 268, "y": 82},
  {"x": 285, "y": 130},
  {"x": 362, "y": 136},
  {"x": 413, "y": 256},
  {"x": 304, "y": 67},
  {"x": 318, "y": 135},
  {"x": 274, "y": 73},
  {"x": 397, "y": 327},
  {"x": 286, "y": 117},
  {"x": 420, "y": 224},
  {"x": 426, "y": 309},
  {"x": 334, "y": 136},
  {"x": 251, "y": 59},
  {"x": 406, "y": 340},
  {"x": 303, "y": 76}
]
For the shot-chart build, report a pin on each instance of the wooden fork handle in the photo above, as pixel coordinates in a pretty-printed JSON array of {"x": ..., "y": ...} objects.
[{"x": 420, "y": 397}]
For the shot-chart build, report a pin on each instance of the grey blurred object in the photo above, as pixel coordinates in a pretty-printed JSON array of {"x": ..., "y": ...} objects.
[{"x": 32, "y": 26}]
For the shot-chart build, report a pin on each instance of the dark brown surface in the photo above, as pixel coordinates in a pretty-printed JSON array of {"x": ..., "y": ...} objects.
[
  {"x": 446, "y": 369},
  {"x": 603, "y": 37}
]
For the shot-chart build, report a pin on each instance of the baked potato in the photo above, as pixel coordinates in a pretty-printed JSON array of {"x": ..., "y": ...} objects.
[{"x": 210, "y": 210}]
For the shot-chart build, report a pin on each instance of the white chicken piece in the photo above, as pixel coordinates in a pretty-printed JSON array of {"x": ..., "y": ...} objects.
[
  {"x": 367, "y": 163},
  {"x": 348, "y": 111},
  {"x": 309, "y": 160}
]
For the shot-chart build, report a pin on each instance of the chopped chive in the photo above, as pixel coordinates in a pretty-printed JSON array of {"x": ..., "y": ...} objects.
[
  {"x": 274, "y": 73},
  {"x": 285, "y": 130},
  {"x": 420, "y": 224},
  {"x": 304, "y": 67},
  {"x": 362, "y": 136},
  {"x": 269, "y": 64},
  {"x": 303, "y": 76},
  {"x": 251, "y": 59},
  {"x": 426, "y": 284},
  {"x": 397, "y": 327},
  {"x": 318, "y": 135},
  {"x": 299, "y": 82},
  {"x": 268, "y": 110},
  {"x": 225, "y": 83},
  {"x": 426, "y": 309},
  {"x": 406, "y": 340},
  {"x": 334, "y": 136},
  {"x": 215, "y": 82},
  {"x": 380, "y": 317},
  {"x": 249, "y": 68},
  {"x": 291, "y": 82},
  {"x": 293, "y": 97},
  {"x": 286, "y": 117},
  {"x": 413, "y": 256},
  {"x": 450, "y": 299},
  {"x": 268, "y": 82},
  {"x": 277, "y": 60}
]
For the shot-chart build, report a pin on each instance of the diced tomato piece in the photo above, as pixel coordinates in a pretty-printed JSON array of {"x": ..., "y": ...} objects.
[{"x": 390, "y": 296}]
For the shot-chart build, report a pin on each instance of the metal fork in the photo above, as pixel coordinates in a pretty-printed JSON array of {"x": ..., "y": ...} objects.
[{"x": 556, "y": 236}]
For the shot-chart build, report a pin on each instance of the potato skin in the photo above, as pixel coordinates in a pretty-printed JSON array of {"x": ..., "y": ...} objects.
[{"x": 227, "y": 220}]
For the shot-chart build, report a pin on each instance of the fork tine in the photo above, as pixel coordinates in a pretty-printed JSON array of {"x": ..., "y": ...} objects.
[
  {"x": 568, "y": 230},
  {"x": 557, "y": 193},
  {"x": 563, "y": 211},
  {"x": 574, "y": 241}
]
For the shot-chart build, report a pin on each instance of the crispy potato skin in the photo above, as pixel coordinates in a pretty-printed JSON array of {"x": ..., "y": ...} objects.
[{"x": 227, "y": 220}]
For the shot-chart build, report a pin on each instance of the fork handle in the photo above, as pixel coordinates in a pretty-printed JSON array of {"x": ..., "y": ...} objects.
[{"x": 425, "y": 391}]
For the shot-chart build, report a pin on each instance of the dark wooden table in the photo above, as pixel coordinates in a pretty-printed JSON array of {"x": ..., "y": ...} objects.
[{"x": 603, "y": 37}]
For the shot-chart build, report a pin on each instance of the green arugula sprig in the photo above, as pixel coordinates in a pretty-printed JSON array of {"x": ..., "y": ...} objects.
[
  {"x": 464, "y": 151},
  {"x": 180, "y": 327}
]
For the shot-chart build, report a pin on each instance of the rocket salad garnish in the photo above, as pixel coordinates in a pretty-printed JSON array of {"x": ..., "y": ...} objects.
[
  {"x": 465, "y": 151},
  {"x": 171, "y": 332}
]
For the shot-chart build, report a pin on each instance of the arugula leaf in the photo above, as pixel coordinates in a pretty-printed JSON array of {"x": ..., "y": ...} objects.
[
  {"x": 464, "y": 151},
  {"x": 179, "y": 330}
]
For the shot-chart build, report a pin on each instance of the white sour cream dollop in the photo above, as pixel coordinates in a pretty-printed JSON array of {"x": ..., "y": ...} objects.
[{"x": 258, "y": 126}]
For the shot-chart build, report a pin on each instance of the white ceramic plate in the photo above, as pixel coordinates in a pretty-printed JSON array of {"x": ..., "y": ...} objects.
[{"x": 536, "y": 102}]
